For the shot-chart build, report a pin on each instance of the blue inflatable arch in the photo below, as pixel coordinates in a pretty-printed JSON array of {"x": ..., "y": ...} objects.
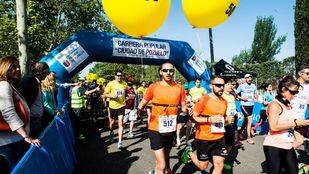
[{"x": 84, "y": 47}]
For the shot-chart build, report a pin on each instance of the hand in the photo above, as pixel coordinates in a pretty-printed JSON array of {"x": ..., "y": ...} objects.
[
  {"x": 230, "y": 119},
  {"x": 216, "y": 119},
  {"x": 302, "y": 122},
  {"x": 35, "y": 142}
]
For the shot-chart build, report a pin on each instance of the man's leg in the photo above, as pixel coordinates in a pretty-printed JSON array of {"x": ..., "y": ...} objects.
[
  {"x": 160, "y": 161},
  {"x": 120, "y": 130},
  {"x": 178, "y": 129},
  {"x": 218, "y": 164},
  {"x": 249, "y": 137}
]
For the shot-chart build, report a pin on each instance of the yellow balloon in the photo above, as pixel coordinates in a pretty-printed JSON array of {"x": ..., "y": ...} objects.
[
  {"x": 137, "y": 18},
  {"x": 208, "y": 13},
  {"x": 90, "y": 77}
]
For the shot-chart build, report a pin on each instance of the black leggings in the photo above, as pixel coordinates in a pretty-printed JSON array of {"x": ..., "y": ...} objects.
[{"x": 278, "y": 159}]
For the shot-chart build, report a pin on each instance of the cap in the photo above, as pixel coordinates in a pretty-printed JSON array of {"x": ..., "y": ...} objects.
[{"x": 248, "y": 75}]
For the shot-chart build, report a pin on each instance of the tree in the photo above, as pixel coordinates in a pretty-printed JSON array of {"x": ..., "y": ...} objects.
[
  {"x": 301, "y": 33},
  {"x": 265, "y": 45},
  {"x": 50, "y": 23},
  {"x": 243, "y": 57}
]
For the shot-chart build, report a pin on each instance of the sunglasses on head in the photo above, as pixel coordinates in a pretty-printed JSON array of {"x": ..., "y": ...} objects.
[
  {"x": 168, "y": 70},
  {"x": 218, "y": 85},
  {"x": 293, "y": 92}
]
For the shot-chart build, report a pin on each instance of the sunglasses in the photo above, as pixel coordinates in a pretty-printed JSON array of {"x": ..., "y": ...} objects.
[
  {"x": 218, "y": 85},
  {"x": 293, "y": 92},
  {"x": 168, "y": 70},
  {"x": 119, "y": 75},
  {"x": 307, "y": 73}
]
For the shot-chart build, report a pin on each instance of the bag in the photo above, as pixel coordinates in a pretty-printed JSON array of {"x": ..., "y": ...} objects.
[{"x": 20, "y": 110}]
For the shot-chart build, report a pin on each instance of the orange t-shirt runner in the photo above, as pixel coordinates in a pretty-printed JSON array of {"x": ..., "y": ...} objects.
[
  {"x": 166, "y": 100},
  {"x": 210, "y": 107}
]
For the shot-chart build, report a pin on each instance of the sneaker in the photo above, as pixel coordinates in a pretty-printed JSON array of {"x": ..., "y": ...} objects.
[
  {"x": 185, "y": 157},
  {"x": 152, "y": 171},
  {"x": 178, "y": 142},
  {"x": 119, "y": 146},
  {"x": 130, "y": 135},
  {"x": 111, "y": 136}
]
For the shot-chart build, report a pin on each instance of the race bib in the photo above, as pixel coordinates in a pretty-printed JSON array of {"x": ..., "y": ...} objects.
[
  {"x": 231, "y": 112},
  {"x": 119, "y": 93},
  {"x": 218, "y": 127},
  {"x": 288, "y": 137},
  {"x": 167, "y": 123}
]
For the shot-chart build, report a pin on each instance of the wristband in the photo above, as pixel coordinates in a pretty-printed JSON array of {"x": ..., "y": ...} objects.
[{"x": 295, "y": 122}]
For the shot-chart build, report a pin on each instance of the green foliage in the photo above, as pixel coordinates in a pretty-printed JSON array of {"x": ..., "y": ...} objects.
[
  {"x": 302, "y": 33},
  {"x": 49, "y": 24},
  {"x": 265, "y": 46},
  {"x": 243, "y": 57}
]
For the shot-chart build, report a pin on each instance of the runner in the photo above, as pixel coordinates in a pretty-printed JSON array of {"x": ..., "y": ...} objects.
[
  {"x": 231, "y": 134},
  {"x": 209, "y": 114},
  {"x": 267, "y": 98},
  {"x": 281, "y": 140},
  {"x": 166, "y": 96},
  {"x": 115, "y": 90},
  {"x": 301, "y": 101},
  {"x": 248, "y": 95},
  {"x": 197, "y": 91},
  {"x": 130, "y": 111}
]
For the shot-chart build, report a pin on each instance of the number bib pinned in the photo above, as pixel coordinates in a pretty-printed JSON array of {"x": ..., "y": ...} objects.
[
  {"x": 167, "y": 123},
  {"x": 288, "y": 137},
  {"x": 218, "y": 127}
]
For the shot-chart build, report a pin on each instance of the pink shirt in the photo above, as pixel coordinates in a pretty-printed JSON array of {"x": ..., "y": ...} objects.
[{"x": 281, "y": 139}]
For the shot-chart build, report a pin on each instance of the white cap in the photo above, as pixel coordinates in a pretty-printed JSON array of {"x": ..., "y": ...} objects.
[{"x": 248, "y": 75}]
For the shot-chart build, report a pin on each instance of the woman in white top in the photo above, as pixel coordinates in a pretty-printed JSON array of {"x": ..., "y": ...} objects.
[
  {"x": 282, "y": 139},
  {"x": 14, "y": 128}
]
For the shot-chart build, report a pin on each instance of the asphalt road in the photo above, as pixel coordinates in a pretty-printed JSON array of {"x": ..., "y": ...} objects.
[{"x": 97, "y": 155}]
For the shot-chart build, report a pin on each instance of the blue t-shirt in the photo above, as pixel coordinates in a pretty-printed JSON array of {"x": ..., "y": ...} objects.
[
  {"x": 247, "y": 91},
  {"x": 268, "y": 97}
]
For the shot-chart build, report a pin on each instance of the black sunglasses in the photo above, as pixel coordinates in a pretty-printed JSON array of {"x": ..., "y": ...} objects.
[
  {"x": 168, "y": 70},
  {"x": 218, "y": 85},
  {"x": 307, "y": 73},
  {"x": 293, "y": 92},
  {"x": 119, "y": 75}
]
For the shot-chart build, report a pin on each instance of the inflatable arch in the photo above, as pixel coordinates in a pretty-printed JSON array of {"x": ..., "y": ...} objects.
[{"x": 85, "y": 47}]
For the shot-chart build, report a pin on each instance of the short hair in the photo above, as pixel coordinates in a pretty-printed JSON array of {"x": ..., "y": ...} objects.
[
  {"x": 198, "y": 78},
  {"x": 39, "y": 67},
  {"x": 161, "y": 66},
  {"x": 216, "y": 77},
  {"x": 302, "y": 68},
  {"x": 5, "y": 65},
  {"x": 118, "y": 71}
]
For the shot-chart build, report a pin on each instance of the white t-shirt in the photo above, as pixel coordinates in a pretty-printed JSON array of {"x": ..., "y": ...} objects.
[{"x": 300, "y": 101}]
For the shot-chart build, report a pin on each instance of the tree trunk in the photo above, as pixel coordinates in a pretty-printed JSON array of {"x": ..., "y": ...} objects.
[{"x": 22, "y": 34}]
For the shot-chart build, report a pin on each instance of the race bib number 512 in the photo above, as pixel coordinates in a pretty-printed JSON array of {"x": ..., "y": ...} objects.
[{"x": 167, "y": 123}]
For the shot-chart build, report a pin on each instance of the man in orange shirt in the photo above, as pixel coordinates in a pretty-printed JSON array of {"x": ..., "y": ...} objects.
[
  {"x": 209, "y": 114},
  {"x": 166, "y": 96}
]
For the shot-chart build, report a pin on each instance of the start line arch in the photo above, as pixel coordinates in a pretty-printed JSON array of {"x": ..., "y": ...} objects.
[{"x": 84, "y": 47}]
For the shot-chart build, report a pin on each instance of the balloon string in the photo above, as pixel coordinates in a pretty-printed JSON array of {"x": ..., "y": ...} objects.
[{"x": 198, "y": 39}]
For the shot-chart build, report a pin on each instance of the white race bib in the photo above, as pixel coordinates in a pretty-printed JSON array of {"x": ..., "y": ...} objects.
[
  {"x": 288, "y": 137},
  {"x": 167, "y": 123},
  {"x": 218, "y": 127}
]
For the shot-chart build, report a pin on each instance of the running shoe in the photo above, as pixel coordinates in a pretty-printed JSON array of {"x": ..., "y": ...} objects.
[
  {"x": 130, "y": 135},
  {"x": 111, "y": 136},
  {"x": 185, "y": 157},
  {"x": 119, "y": 146}
]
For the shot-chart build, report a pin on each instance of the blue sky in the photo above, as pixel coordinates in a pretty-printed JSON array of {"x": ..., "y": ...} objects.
[{"x": 236, "y": 33}]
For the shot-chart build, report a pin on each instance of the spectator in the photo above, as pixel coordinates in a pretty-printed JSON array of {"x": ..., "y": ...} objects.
[
  {"x": 31, "y": 90},
  {"x": 14, "y": 115}
]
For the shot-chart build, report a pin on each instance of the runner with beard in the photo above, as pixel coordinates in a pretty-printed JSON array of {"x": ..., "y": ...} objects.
[
  {"x": 209, "y": 114},
  {"x": 166, "y": 96}
]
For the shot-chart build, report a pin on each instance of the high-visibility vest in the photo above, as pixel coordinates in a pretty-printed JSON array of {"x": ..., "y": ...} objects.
[{"x": 77, "y": 100}]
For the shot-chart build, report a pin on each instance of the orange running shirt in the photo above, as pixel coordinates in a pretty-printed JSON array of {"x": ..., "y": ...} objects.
[
  {"x": 166, "y": 95},
  {"x": 209, "y": 106}
]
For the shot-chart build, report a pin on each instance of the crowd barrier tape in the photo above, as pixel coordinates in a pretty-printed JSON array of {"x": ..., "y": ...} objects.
[
  {"x": 56, "y": 154},
  {"x": 255, "y": 116}
]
